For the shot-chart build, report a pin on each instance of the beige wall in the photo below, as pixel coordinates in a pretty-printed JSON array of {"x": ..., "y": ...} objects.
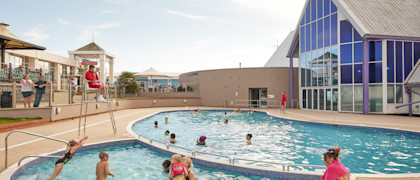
[
  {"x": 217, "y": 87},
  {"x": 44, "y": 113}
]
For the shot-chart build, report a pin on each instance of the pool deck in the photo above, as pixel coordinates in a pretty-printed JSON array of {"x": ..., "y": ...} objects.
[{"x": 99, "y": 128}]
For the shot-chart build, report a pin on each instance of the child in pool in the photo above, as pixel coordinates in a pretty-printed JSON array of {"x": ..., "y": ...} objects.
[
  {"x": 172, "y": 139},
  {"x": 166, "y": 164},
  {"x": 202, "y": 141},
  {"x": 102, "y": 168},
  {"x": 156, "y": 124},
  {"x": 248, "y": 138},
  {"x": 226, "y": 121},
  {"x": 177, "y": 171},
  {"x": 166, "y": 120},
  {"x": 167, "y": 132}
]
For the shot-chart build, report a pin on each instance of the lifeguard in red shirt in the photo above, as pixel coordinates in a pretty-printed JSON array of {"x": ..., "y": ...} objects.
[
  {"x": 91, "y": 75},
  {"x": 283, "y": 102}
]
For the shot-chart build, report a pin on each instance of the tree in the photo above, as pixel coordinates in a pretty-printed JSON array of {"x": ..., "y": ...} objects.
[{"x": 127, "y": 81}]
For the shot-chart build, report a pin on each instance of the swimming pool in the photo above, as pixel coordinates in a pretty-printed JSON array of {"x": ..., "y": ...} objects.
[
  {"x": 364, "y": 150},
  {"x": 126, "y": 162}
]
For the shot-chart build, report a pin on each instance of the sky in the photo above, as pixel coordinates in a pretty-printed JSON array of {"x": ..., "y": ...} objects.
[{"x": 168, "y": 35}]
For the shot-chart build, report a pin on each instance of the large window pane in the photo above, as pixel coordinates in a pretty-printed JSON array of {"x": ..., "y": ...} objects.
[
  {"x": 308, "y": 37},
  {"x": 357, "y": 36},
  {"x": 313, "y": 10},
  {"x": 390, "y": 61},
  {"x": 358, "y": 73},
  {"x": 328, "y": 100},
  {"x": 398, "y": 62},
  {"x": 346, "y": 53},
  {"x": 375, "y": 51},
  {"x": 408, "y": 58},
  {"x": 313, "y": 35},
  {"x": 303, "y": 20},
  {"x": 414, "y": 98},
  {"x": 302, "y": 69},
  {"x": 315, "y": 99},
  {"x": 390, "y": 92},
  {"x": 302, "y": 39},
  {"x": 399, "y": 93},
  {"x": 346, "y": 74},
  {"x": 321, "y": 99},
  {"x": 358, "y": 52},
  {"x": 327, "y": 41},
  {"x": 327, "y": 67},
  {"x": 320, "y": 69},
  {"x": 319, "y": 8},
  {"x": 335, "y": 99},
  {"x": 358, "y": 98},
  {"x": 334, "y": 65},
  {"x": 327, "y": 7},
  {"x": 416, "y": 52},
  {"x": 345, "y": 31},
  {"x": 375, "y": 72},
  {"x": 308, "y": 72},
  {"x": 308, "y": 13},
  {"x": 333, "y": 29},
  {"x": 375, "y": 98},
  {"x": 314, "y": 68},
  {"x": 346, "y": 98},
  {"x": 309, "y": 98},
  {"x": 304, "y": 99},
  {"x": 320, "y": 33},
  {"x": 333, "y": 7}
]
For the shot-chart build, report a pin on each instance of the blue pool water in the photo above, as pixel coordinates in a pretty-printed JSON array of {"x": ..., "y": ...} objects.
[
  {"x": 287, "y": 141},
  {"x": 126, "y": 162}
]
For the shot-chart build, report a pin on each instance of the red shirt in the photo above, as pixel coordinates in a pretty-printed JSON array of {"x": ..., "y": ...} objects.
[
  {"x": 283, "y": 99},
  {"x": 91, "y": 76}
]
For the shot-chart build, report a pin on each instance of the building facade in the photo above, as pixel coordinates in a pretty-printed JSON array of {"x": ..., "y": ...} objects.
[{"x": 352, "y": 59}]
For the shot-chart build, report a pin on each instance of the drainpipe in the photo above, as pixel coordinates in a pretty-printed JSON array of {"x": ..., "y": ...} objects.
[{"x": 365, "y": 76}]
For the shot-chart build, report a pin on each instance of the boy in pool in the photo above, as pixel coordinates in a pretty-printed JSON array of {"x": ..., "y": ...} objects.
[
  {"x": 166, "y": 120},
  {"x": 102, "y": 168},
  {"x": 156, "y": 124},
  {"x": 248, "y": 138},
  {"x": 202, "y": 141},
  {"x": 167, "y": 132},
  {"x": 226, "y": 121},
  {"x": 177, "y": 171},
  {"x": 172, "y": 139},
  {"x": 166, "y": 164}
]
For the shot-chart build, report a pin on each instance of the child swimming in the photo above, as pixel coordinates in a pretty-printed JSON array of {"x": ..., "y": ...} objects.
[
  {"x": 226, "y": 121},
  {"x": 166, "y": 132},
  {"x": 248, "y": 138},
  {"x": 166, "y": 120},
  {"x": 73, "y": 145},
  {"x": 102, "y": 167},
  {"x": 156, "y": 124},
  {"x": 177, "y": 171},
  {"x": 202, "y": 141},
  {"x": 172, "y": 139},
  {"x": 166, "y": 164}
]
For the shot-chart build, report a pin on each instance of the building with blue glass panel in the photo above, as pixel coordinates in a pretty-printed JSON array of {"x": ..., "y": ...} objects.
[{"x": 359, "y": 56}]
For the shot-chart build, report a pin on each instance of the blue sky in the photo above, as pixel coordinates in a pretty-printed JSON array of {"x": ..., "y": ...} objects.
[{"x": 169, "y": 35}]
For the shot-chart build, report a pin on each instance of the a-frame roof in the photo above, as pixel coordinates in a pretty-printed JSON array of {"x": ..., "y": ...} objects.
[{"x": 91, "y": 47}]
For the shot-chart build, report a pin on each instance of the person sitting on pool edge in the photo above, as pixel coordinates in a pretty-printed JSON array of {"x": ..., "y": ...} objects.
[
  {"x": 156, "y": 124},
  {"x": 248, "y": 138},
  {"x": 73, "y": 145},
  {"x": 172, "y": 139},
  {"x": 202, "y": 141},
  {"x": 166, "y": 164},
  {"x": 102, "y": 167},
  {"x": 335, "y": 170},
  {"x": 167, "y": 132}
]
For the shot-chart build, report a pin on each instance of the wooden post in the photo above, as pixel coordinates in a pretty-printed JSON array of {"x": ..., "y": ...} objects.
[
  {"x": 14, "y": 94},
  {"x": 69, "y": 93},
  {"x": 51, "y": 95}
]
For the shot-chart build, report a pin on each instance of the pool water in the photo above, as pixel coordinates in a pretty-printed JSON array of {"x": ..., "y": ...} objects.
[
  {"x": 287, "y": 141},
  {"x": 126, "y": 162}
]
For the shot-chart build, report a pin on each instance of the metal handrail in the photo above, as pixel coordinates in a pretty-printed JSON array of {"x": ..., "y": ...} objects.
[
  {"x": 283, "y": 165},
  {"x": 305, "y": 165},
  {"x": 192, "y": 152},
  {"x": 195, "y": 153},
  {"x": 139, "y": 135},
  {"x": 25, "y": 132},
  {"x": 154, "y": 140},
  {"x": 36, "y": 156}
]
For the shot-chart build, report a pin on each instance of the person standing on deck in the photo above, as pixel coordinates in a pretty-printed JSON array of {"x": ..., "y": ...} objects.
[{"x": 283, "y": 102}]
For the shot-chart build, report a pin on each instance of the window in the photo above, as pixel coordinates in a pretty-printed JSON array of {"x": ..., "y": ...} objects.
[
  {"x": 320, "y": 33},
  {"x": 308, "y": 72},
  {"x": 346, "y": 53},
  {"x": 327, "y": 67},
  {"x": 327, "y": 31},
  {"x": 315, "y": 99},
  {"x": 334, "y": 65},
  {"x": 346, "y": 74},
  {"x": 390, "y": 61},
  {"x": 313, "y": 9},
  {"x": 356, "y": 35},
  {"x": 309, "y": 98},
  {"x": 302, "y": 69},
  {"x": 313, "y": 39},
  {"x": 408, "y": 58},
  {"x": 399, "y": 93},
  {"x": 346, "y": 31},
  {"x": 333, "y": 7},
  {"x": 358, "y": 52},
  {"x": 314, "y": 68},
  {"x": 327, "y": 7},
  {"x": 375, "y": 72},
  {"x": 416, "y": 52},
  {"x": 320, "y": 68},
  {"x": 375, "y": 98},
  {"x": 358, "y": 73},
  {"x": 390, "y": 92},
  {"x": 304, "y": 99},
  {"x": 308, "y": 37},
  {"x": 375, "y": 51},
  {"x": 398, "y": 62},
  {"x": 321, "y": 99},
  {"x": 346, "y": 98},
  {"x": 333, "y": 29},
  {"x": 308, "y": 13},
  {"x": 302, "y": 39},
  {"x": 358, "y": 98}
]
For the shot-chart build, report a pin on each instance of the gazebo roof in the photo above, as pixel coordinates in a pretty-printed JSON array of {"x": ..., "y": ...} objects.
[
  {"x": 91, "y": 47},
  {"x": 13, "y": 42},
  {"x": 150, "y": 72}
]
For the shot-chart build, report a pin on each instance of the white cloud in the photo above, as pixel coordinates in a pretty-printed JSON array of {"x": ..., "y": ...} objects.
[
  {"x": 87, "y": 32},
  {"x": 62, "y": 21},
  {"x": 119, "y": 1},
  {"x": 185, "y": 15},
  {"x": 37, "y": 34},
  {"x": 87, "y": 35},
  {"x": 105, "y": 26},
  {"x": 110, "y": 11}
]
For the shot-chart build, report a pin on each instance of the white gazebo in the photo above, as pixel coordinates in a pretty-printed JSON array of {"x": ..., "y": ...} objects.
[{"x": 93, "y": 52}]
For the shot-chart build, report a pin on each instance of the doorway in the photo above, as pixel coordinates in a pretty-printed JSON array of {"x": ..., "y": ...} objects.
[{"x": 257, "y": 97}]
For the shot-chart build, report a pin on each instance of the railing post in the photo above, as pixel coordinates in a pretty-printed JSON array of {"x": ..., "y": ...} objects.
[
  {"x": 51, "y": 95},
  {"x": 69, "y": 93},
  {"x": 14, "y": 94}
]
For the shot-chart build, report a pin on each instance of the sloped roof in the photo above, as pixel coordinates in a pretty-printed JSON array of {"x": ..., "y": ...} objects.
[
  {"x": 150, "y": 72},
  {"x": 91, "y": 47},
  {"x": 279, "y": 59},
  {"x": 14, "y": 42},
  {"x": 383, "y": 17}
]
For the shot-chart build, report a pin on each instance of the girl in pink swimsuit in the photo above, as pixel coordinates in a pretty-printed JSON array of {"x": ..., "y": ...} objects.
[{"x": 335, "y": 170}]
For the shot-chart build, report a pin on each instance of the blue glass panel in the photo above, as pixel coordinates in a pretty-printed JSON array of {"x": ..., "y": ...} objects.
[
  {"x": 345, "y": 31},
  {"x": 358, "y": 52},
  {"x": 333, "y": 7},
  {"x": 327, "y": 7},
  {"x": 416, "y": 52},
  {"x": 346, "y": 53},
  {"x": 408, "y": 58},
  {"x": 333, "y": 29},
  {"x": 357, "y": 36},
  {"x": 327, "y": 31},
  {"x": 302, "y": 39},
  {"x": 308, "y": 37},
  {"x": 319, "y": 8},
  {"x": 302, "y": 69},
  {"x": 314, "y": 68},
  {"x": 375, "y": 51},
  {"x": 303, "y": 20},
  {"x": 398, "y": 62},
  {"x": 313, "y": 10},
  {"x": 390, "y": 61},
  {"x": 308, "y": 13},
  {"x": 358, "y": 73},
  {"x": 375, "y": 72},
  {"x": 313, "y": 33},
  {"x": 308, "y": 71},
  {"x": 334, "y": 65},
  {"x": 320, "y": 34},
  {"x": 346, "y": 74}
]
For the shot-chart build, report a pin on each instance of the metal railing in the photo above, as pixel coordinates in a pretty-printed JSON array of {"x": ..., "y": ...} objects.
[
  {"x": 28, "y": 156},
  {"x": 304, "y": 165},
  {"x": 192, "y": 152},
  {"x": 25, "y": 132},
  {"x": 239, "y": 159},
  {"x": 195, "y": 153},
  {"x": 258, "y": 103}
]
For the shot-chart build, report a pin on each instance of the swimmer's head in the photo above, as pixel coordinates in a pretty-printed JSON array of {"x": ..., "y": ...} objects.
[
  {"x": 226, "y": 121},
  {"x": 73, "y": 142},
  {"x": 248, "y": 136},
  {"x": 176, "y": 158},
  {"x": 203, "y": 138},
  {"x": 166, "y": 163},
  {"x": 103, "y": 155},
  {"x": 167, "y": 132},
  {"x": 173, "y": 135},
  {"x": 187, "y": 162},
  {"x": 156, "y": 123}
]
